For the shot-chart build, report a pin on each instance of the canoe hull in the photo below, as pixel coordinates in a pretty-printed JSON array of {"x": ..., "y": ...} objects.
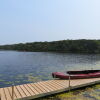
[{"x": 76, "y": 76}]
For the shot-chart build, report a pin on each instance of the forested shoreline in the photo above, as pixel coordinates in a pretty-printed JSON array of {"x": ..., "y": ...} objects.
[{"x": 72, "y": 46}]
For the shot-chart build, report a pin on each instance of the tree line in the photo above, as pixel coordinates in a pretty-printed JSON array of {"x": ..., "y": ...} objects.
[{"x": 72, "y": 46}]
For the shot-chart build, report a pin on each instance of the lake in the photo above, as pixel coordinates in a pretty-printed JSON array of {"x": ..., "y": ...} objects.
[{"x": 25, "y": 67}]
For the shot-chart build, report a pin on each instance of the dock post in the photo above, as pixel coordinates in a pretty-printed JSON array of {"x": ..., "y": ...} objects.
[
  {"x": 13, "y": 92},
  {"x": 69, "y": 83}
]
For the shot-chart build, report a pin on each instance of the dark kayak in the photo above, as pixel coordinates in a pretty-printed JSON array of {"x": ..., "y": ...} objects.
[{"x": 79, "y": 75}]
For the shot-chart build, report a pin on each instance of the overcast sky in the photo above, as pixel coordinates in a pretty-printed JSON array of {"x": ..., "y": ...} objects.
[{"x": 48, "y": 20}]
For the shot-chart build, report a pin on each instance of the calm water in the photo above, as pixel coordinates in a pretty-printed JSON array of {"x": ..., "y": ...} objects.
[{"x": 24, "y": 67}]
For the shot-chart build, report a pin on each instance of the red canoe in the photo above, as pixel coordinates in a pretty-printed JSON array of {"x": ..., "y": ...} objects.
[{"x": 61, "y": 75}]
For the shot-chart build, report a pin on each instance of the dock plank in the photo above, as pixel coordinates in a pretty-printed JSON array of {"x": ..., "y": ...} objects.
[
  {"x": 10, "y": 92},
  {"x": 33, "y": 89},
  {"x": 21, "y": 92},
  {"x": 44, "y": 88},
  {"x": 3, "y": 96},
  {"x": 59, "y": 84},
  {"x": 49, "y": 85},
  {"x": 56, "y": 86},
  {"x": 36, "y": 88},
  {"x": 8, "y": 96},
  {"x": 29, "y": 90},
  {"x": 50, "y": 89},
  {"x": 16, "y": 92},
  {"x": 40, "y": 88},
  {"x": 25, "y": 90}
]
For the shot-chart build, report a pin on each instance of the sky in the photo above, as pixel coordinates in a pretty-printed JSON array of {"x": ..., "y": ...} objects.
[{"x": 24, "y": 21}]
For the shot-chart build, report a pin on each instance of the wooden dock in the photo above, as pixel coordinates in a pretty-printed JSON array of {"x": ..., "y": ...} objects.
[{"x": 43, "y": 88}]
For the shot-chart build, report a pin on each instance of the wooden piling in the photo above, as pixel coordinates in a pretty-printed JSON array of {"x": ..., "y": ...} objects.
[
  {"x": 13, "y": 92},
  {"x": 69, "y": 83}
]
